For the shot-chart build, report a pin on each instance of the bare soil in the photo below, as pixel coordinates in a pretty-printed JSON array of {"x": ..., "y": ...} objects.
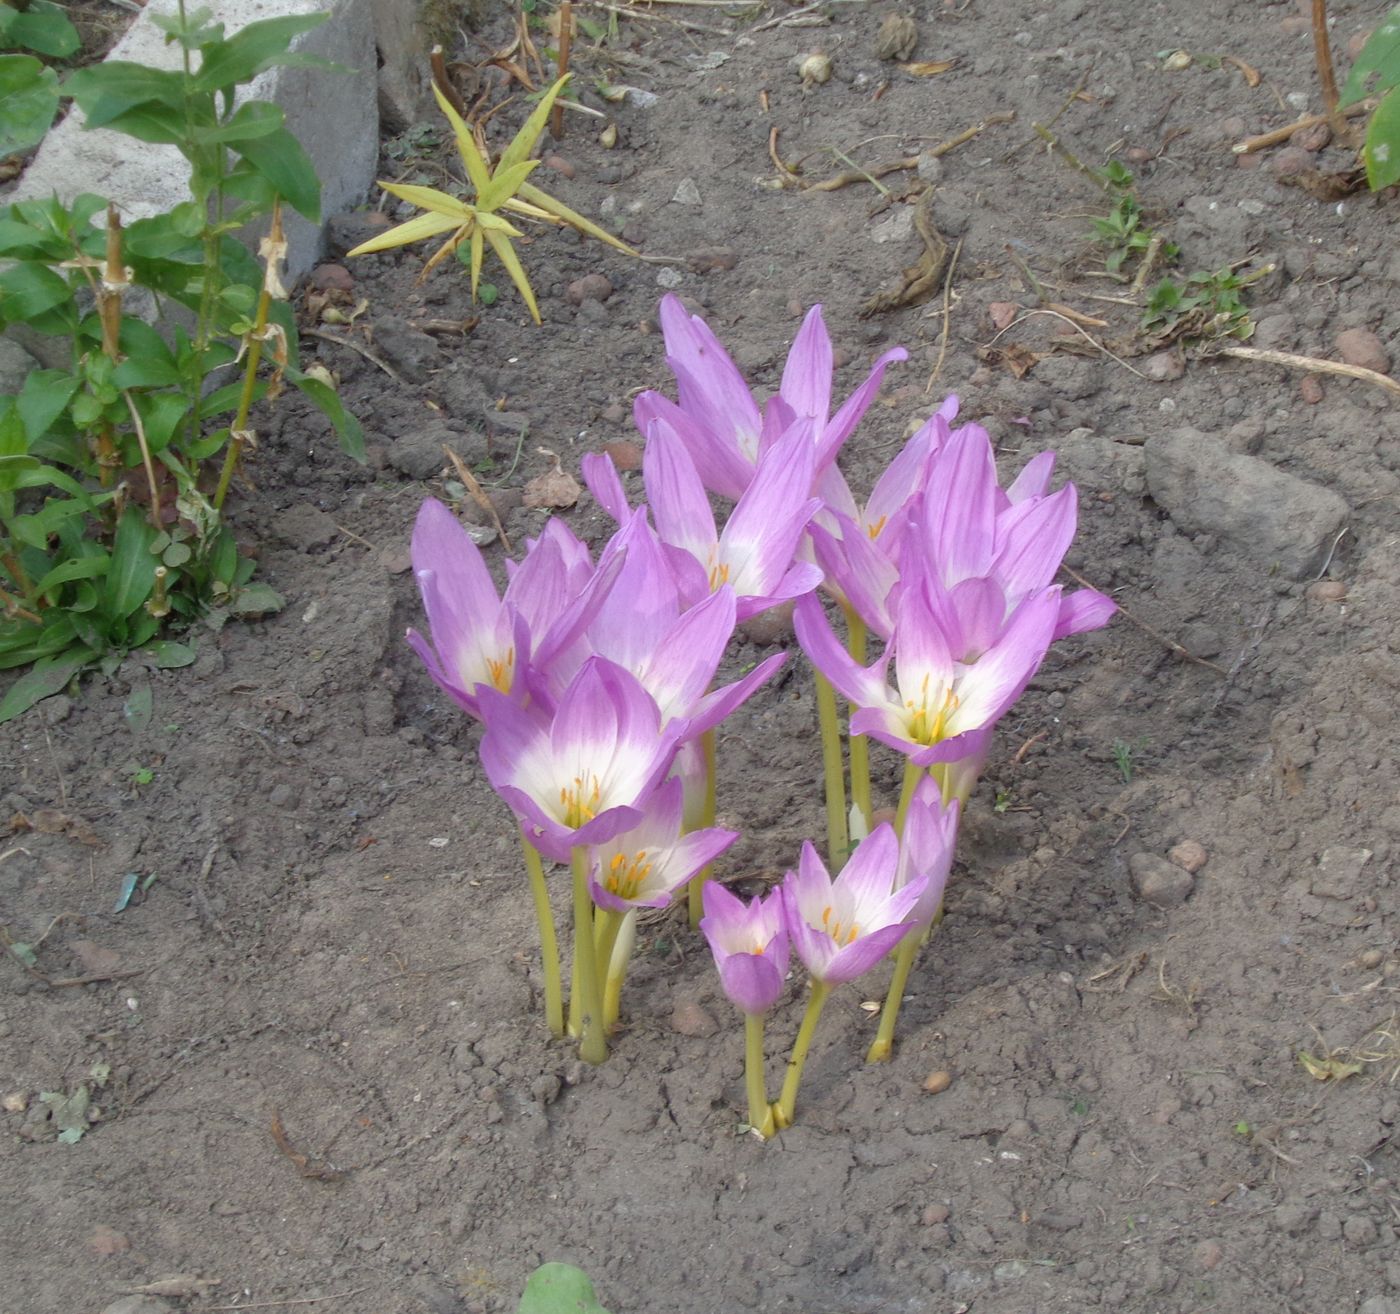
[{"x": 327, "y": 1077}]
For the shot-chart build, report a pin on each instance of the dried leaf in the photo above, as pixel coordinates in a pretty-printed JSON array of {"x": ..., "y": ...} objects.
[
  {"x": 928, "y": 68},
  {"x": 1329, "y": 1069},
  {"x": 556, "y": 488},
  {"x": 1251, "y": 74},
  {"x": 1017, "y": 359}
]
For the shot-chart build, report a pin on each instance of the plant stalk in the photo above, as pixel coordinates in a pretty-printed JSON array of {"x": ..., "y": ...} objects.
[
  {"x": 912, "y": 775},
  {"x": 883, "y": 1045},
  {"x": 859, "y": 745},
  {"x": 784, "y": 1109},
  {"x": 1326, "y": 74},
  {"x": 566, "y": 39},
  {"x": 833, "y": 771},
  {"x": 695, "y": 889},
  {"x": 619, "y": 955},
  {"x": 549, "y": 942},
  {"x": 760, "y": 1111},
  {"x": 593, "y": 1037}
]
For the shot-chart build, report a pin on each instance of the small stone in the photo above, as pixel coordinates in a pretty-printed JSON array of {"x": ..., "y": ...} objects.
[
  {"x": 897, "y": 38},
  {"x": 896, "y": 227},
  {"x": 710, "y": 260},
  {"x": 15, "y": 1102},
  {"x": 613, "y": 413},
  {"x": 1019, "y": 1130},
  {"x": 104, "y": 1241},
  {"x": 1361, "y": 347},
  {"x": 332, "y": 277},
  {"x": 1339, "y": 872},
  {"x": 1313, "y": 138},
  {"x": 687, "y": 193},
  {"x": 929, "y": 168},
  {"x": 688, "y": 1018},
  {"x": 1310, "y": 389},
  {"x": 396, "y": 560},
  {"x": 1164, "y": 366},
  {"x": 1003, "y": 314},
  {"x": 1370, "y": 959},
  {"x": 769, "y": 628},
  {"x": 1247, "y": 162},
  {"x": 559, "y": 164},
  {"x": 1208, "y": 1255},
  {"x": 1158, "y": 881},
  {"x": 625, "y": 454},
  {"x": 1189, "y": 855},
  {"x": 282, "y": 796},
  {"x": 1359, "y": 1230},
  {"x": 1290, "y": 162},
  {"x": 591, "y": 287},
  {"x": 937, "y": 1082},
  {"x": 935, "y": 1214},
  {"x": 1326, "y": 590}
]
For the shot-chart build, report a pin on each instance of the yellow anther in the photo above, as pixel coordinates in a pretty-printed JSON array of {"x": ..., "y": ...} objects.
[
  {"x": 719, "y": 574},
  {"x": 502, "y": 671}
]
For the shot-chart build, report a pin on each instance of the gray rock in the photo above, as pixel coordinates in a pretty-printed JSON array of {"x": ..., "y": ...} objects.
[
  {"x": 1281, "y": 521},
  {"x": 1099, "y": 463},
  {"x": 15, "y": 366},
  {"x": 418, "y": 452},
  {"x": 1071, "y": 378},
  {"x": 409, "y": 351},
  {"x": 1339, "y": 873},
  {"x": 1159, "y": 882},
  {"x": 1359, "y": 346}
]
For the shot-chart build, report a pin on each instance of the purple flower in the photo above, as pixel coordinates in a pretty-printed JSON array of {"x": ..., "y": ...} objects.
[
  {"x": 926, "y": 848},
  {"x": 842, "y": 928},
  {"x": 643, "y": 867},
  {"x": 583, "y": 775},
  {"x": 717, "y": 418},
  {"x": 749, "y": 944}
]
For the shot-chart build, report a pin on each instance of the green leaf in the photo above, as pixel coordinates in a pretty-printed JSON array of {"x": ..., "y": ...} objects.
[
  {"x": 45, "y": 679},
  {"x": 559, "y": 1289},
  {"x": 254, "y": 601},
  {"x": 280, "y": 159},
  {"x": 44, "y": 397},
  {"x": 28, "y": 102},
  {"x": 255, "y": 119},
  {"x": 133, "y": 571},
  {"x": 152, "y": 123},
  {"x": 1382, "y": 148},
  {"x": 258, "y": 46},
  {"x": 43, "y": 28},
  {"x": 1380, "y": 55},
  {"x": 161, "y": 413},
  {"x": 347, "y": 427},
  {"x": 170, "y": 656},
  {"x": 27, "y": 291},
  {"x": 74, "y": 568},
  {"x": 104, "y": 91}
]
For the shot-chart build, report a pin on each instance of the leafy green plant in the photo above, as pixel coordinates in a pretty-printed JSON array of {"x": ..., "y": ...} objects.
[
  {"x": 474, "y": 225},
  {"x": 1377, "y": 72},
  {"x": 1203, "y": 307},
  {"x": 1122, "y": 229},
  {"x": 115, "y": 465},
  {"x": 28, "y": 86},
  {"x": 559, "y": 1289}
]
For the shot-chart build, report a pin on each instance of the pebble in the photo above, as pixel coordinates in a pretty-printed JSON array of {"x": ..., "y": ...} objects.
[
  {"x": 560, "y": 165},
  {"x": 1164, "y": 366},
  {"x": 929, "y": 167},
  {"x": 712, "y": 259},
  {"x": 1286, "y": 523},
  {"x": 626, "y": 455},
  {"x": 1002, "y": 313},
  {"x": 1312, "y": 138},
  {"x": 591, "y": 287},
  {"x": 1158, "y": 881},
  {"x": 769, "y": 628},
  {"x": 1370, "y": 959},
  {"x": 1326, "y": 590},
  {"x": 935, "y": 1214},
  {"x": 687, "y": 193},
  {"x": 688, "y": 1018},
  {"x": 1189, "y": 855},
  {"x": 1310, "y": 389},
  {"x": 1208, "y": 1255},
  {"x": 15, "y": 1102},
  {"x": 104, "y": 1242},
  {"x": 330, "y": 276},
  {"x": 1361, "y": 347},
  {"x": 1290, "y": 162},
  {"x": 937, "y": 1082},
  {"x": 396, "y": 560}
]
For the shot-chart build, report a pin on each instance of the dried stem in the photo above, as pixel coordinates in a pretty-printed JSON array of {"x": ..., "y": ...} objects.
[
  {"x": 566, "y": 38},
  {"x": 1326, "y": 74}
]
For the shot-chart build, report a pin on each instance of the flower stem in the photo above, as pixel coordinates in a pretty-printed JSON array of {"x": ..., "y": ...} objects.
[
  {"x": 883, "y": 1045},
  {"x": 787, "y": 1102},
  {"x": 859, "y": 744},
  {"x": 694, "y": 900},
  {"x": 828, "y": 718},
  {"x": 549, "y": 942},
  {"x": 912, "y": 775},
  {"x": 760, "y": 1111},
  {"x": 619, "y": 955},
  {"x": 593, "y": 1038}
]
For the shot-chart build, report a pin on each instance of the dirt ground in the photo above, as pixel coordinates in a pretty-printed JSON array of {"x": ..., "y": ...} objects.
[{"x": 321, "y": 1073}]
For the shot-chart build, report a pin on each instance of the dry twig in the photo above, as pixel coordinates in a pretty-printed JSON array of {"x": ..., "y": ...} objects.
[
  {"x": 1313, "y": 365},
  {"x": 355, "y": 346},
  {"x": 477, "y": 494},
  {"x": 1276, "y": 135}
]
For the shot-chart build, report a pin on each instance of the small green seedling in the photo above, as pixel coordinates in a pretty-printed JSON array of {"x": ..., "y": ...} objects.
[
  {"x": 142, "y": 775},
  {"x": 559, "y": 1289},
  {"x": 1203, "y": 308},
  {"x": 1123, "y": 757},
  {"x": 1122, "y": 229}
]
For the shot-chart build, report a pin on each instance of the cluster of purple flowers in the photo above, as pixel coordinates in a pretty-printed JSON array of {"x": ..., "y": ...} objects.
[{"x": 594, "y": 679}]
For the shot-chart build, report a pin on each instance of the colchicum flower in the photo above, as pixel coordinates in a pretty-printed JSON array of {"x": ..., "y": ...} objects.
[
  {"x": 717, "y": 417},
  {"x": 582, "y": 776},
  {"x": 750, "y": 946}
]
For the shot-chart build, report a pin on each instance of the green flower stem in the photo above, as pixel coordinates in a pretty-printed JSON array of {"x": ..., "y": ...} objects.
[
  {"x": 883, "y": 1045},
  {"x": 837, "y": 839},
  {"x": 784, "y": 1109},
  {"x": 619, "y": 956},
  {"x": 912, "y": 775},
  {"x": 859, "y": 744},
  {"x": 695, "y": 901},
  {"x": 549, "y": 943},
  {"x": 593, "y": 1038},
  {"x": 760, "y": 1111}
]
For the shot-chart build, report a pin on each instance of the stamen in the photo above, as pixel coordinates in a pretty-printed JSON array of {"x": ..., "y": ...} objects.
[{"x": 719, "y": 574}]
